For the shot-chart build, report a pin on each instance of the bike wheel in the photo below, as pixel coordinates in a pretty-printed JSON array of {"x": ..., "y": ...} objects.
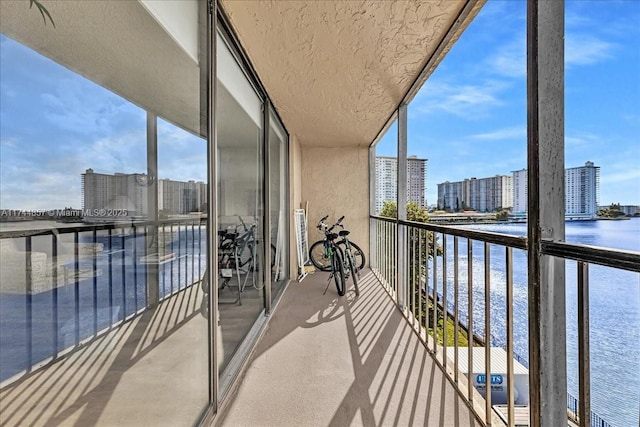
[
  {"x": 338, "y": 271},
  {"x": 358, "y": 254},
  {"x": 318, "y": 256},
  {"x": 355, "y": 275}
]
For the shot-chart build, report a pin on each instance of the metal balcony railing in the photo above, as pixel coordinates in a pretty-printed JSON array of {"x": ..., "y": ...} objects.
[
  {"x": 64, "y": 286},
  {"x": 431, "y": 296}
]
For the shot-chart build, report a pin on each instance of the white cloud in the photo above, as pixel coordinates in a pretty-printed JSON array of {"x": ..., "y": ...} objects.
[
  {"x": 465, "y": 100},
  {"x": 515, "y": 132},
  {"x": 627, "y": 176},
  {"x": 510, "y": 59},
  {"x": 583, "y": 49},
  {"x": 583, "y": 139},
  {"x": 10, "y": 142}
]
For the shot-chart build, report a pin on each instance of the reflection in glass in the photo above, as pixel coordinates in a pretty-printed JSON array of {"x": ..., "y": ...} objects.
[
  {"x": 241, "y": 208},
  {"x": 107, "y": 286}
]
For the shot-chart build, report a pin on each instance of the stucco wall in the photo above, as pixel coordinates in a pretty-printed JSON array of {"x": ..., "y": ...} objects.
[{"x": 335, "y": 181}]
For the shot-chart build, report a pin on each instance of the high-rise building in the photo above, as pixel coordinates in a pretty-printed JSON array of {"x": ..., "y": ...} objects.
[
  {"x": 582, "y": 190},
  {"x": 519, "y": 191},
  {"x": 483, "y": 194},
  {"x": 114, "y": 193},
  {"x": 451, "y": 195},
  {"x": 128, "y": 192},
  {"x": 387, "y": 180},
  {"x": 180, "y": 197}
]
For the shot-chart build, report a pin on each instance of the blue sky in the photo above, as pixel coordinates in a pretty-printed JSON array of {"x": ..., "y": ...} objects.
[
  {"x": 55, "y": 124},
  {"x": 469, "y": 119}
]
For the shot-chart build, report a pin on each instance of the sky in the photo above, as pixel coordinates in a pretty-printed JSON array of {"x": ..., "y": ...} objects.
[
  {"x": 469, "y": 119},
  {"x": 55, "y": 124}
]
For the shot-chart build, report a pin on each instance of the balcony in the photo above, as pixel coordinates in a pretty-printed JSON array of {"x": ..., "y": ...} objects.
[
  {"x": 336, "y": 361},
  {"x": 110, "y": 324},
  {"x": 82, "y": 346},
  {"x": 371, "y": 360}
]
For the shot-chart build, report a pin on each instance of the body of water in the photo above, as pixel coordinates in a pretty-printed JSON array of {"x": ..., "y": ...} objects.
[{"x": 614, "y": 312}]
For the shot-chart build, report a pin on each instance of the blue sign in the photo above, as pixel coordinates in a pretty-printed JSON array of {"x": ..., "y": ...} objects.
[{"x": 495, "y": 379}]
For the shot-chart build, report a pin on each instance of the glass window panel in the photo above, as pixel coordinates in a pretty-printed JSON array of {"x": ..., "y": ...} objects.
[
  {"x": 240, "y": 201},
  {"x": 79, "y": 161}
]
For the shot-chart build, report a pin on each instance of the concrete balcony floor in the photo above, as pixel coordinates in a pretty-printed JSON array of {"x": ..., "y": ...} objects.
[{"x": 326, "y": 360}]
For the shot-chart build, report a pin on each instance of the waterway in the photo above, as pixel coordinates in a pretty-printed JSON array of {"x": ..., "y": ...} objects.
[{"x": 614, "y": 312}]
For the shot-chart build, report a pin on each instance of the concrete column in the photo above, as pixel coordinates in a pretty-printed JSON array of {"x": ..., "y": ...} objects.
[
  {"x": 401, "y": 272},
  {"x": 545, "y": 147},
  {"x": 153, "y": 283},
  {"x": 373, "y": 238}
]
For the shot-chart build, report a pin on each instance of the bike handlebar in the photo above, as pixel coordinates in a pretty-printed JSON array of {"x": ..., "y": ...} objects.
[{"x": 324, "y": 227}]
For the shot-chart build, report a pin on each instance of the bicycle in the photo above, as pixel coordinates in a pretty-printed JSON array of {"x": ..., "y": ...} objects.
[
  {"x": 349, "y": 257},
  {"x": 321, "y": 262},
  {"x": 333, "y": 255}
]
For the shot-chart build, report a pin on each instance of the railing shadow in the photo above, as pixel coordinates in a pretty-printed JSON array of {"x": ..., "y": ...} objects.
[
  {"x": 383, "y": 373},
  {"x": 78, "y": 388}
]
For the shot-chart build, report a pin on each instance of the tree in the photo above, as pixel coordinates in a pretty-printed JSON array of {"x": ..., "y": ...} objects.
[
  {"x": 425, "y": 244},
  {"x": 502, "y": 215}
]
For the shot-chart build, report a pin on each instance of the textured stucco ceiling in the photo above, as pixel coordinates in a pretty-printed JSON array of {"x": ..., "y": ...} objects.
[{"x": 336, "y": 70}]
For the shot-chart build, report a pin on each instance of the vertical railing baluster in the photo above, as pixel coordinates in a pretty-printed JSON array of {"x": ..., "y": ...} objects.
[
  {"x": 445, "y": 308},
  {"x": 179, "y": 259},
  {"x": 470, "y": 335},
  {"x": 487, "y": 332},
  {"x": 160, "y": 266},
  {"x": 584, "y": 364},
  {"x": 110, "y": 275},
  {"x": 412, "y": 279},
  {"x": 135, "y": 267},
  {"x": 510, "y": 373},
  {"x": 382, "y": 259},
  {"x": 418, "y": 290},
  {"x": 434, "y": 301},
  {"x": 193, "y": 251},
  {"x": 123, "y": 277},
  {"x": 76, "y": 286},
  {"x": 171, "y": 246},
  {"x": 384, "y": 255},
  {"x": 456, "y": 313},
  {"x": 54, "y": 293},
  {"x": 390, "y": 262},
  {"x": 146, "y": 265},
  {"x": 29, "y": 301},
  {"x": 94, "y": 263},
  {"x": 396, "y": 262}
]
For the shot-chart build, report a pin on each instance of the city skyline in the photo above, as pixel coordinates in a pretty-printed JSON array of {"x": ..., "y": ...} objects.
[{"x": 469, "y": 119}]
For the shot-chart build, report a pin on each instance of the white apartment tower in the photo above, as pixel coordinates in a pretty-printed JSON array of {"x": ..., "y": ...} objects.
[
  {"x": 117, "y": 192},
  {"x": 582, "y": 190},
  {"x": 387, "y": 180},
  {"x": 484, "y": 194},
  {"x": 519, "y": 191}
]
